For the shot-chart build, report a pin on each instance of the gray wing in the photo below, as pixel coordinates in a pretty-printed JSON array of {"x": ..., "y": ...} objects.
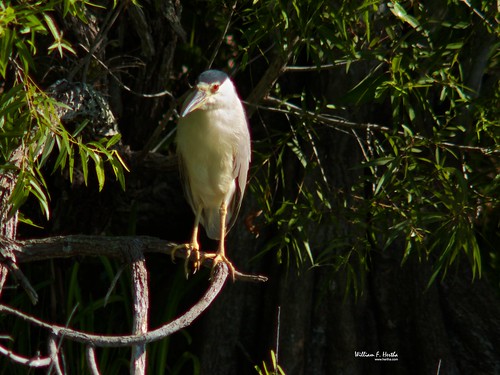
[
  {"x": 242, "y": 156},
  {"x": 186, "y": 183}
]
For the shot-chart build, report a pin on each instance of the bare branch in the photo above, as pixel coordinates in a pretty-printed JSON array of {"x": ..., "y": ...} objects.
[
  {"x": 140, "y": 296},
  {"x": 220, "y": 276},
  {"x": 131, "y": 249},
  {"x": 124, "y": 86},
  {"x": 111, "y": 247},
  {"x": 8, "y": 262},
  {"x": 161, "y": 126},
  {"x": 31, "y": 362},
  {"x": 54, "y": 356},
  {"x": 91, "y": 360},
  {"x": 314, "y": 68}
]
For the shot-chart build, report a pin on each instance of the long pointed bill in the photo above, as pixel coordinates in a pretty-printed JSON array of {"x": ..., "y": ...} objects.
[{"x": 194, "y": 101}]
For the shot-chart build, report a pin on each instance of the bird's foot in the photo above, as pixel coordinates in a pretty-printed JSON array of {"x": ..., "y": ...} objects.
[
  {"x": 218, "y": 258},
  {"x": 192, "y": 254}
]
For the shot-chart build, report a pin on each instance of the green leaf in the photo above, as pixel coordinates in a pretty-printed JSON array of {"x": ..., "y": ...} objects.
[
  {"x": 19, "y": 194},
  {"x": 80, "y": 127},
  {"x": 48, "y": 146},
  {"x": 364, "y": 91},
  {"x": 84, "y": 157},
  {"x": 7, "y": 41},
  {"x": 379, "y": 161},
  {"x": 39, "y": 192},
  {"x": 99, "y": 169},
  {"x": 401, "y": 13},
  {"x": 64, "y": 148},
  {"x": 71, "y": 165},
  {"x": 113, "y": 140},
  {"x": 28, "y": 221},
  {"x": 52, "y": 26}
]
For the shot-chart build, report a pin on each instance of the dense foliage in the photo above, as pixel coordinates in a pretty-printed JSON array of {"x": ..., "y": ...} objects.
[
  {"x": 430, "y": 160},
  {"x": 30, "y": 118}
]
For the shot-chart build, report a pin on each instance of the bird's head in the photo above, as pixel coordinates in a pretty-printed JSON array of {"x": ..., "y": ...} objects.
[{"x": 213, "y": 89}]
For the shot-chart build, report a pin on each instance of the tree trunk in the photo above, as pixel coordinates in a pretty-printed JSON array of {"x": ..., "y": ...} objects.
[{"x": 8, "y": 221}]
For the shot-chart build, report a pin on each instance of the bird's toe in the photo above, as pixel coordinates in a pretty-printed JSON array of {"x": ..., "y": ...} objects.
[
  {"x": 220, "y": 258},
  {"x": 192, "y": 254}
]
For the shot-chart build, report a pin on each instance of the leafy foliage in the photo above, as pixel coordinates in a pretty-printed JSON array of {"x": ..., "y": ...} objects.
[
  {"x": 30, "y": 128},
  {"x": 431, "y": 170}
]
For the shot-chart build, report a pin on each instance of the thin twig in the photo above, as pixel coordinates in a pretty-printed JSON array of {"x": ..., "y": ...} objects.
[
  {"x": 219, "y": 43},
  {"x": 113, "y": 284},
  {"x": 161, "y": 126},
  {"x": 273, "y": 72},
  {"x": 19, "y": 276},
  {"x": 108, "y": 22},
  {"x": 340, "y": 122},
  {"x": 35, "y": 362},
  {"x": 124, "y": 86},
  {"x": 315, "y": 68},
  {"x": 479, "y": 14}
]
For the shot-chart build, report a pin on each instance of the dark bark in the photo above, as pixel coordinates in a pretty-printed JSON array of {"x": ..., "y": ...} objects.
[{"x": 8, "y": 218}]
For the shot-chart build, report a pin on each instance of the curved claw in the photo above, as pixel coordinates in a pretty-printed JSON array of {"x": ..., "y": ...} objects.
[
  {"x": 218, "y": 258},
  {"x": 191, "y": 249}
]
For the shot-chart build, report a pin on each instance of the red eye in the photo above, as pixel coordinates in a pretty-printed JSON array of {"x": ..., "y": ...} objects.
[{"x": 215, "y": 88}]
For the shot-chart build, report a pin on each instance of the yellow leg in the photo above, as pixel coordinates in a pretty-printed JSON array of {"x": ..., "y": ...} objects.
[
  {"x": 220, "y": 255},
  {"x": 192, "y": 248}
]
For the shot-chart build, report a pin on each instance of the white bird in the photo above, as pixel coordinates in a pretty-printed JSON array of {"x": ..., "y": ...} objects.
[{"x": 213, "y": 146}]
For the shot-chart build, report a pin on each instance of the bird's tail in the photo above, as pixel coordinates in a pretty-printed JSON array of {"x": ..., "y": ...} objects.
[{"x": 210, "y": 219}]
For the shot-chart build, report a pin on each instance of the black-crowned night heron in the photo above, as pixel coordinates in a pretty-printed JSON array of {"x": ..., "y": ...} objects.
[{"x": 213, "y": 145}]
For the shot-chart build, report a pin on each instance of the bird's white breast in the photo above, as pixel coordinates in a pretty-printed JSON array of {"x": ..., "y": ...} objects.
[{"x": 207, "y": 136}]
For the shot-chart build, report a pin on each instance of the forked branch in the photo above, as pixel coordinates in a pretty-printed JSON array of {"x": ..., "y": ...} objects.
[
  {"x": 129, "y": 249},
  {"x": 219, "y": 278}
]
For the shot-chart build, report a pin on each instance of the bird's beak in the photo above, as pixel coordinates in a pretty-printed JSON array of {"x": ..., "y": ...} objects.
[{"x": 194, "y": 101}]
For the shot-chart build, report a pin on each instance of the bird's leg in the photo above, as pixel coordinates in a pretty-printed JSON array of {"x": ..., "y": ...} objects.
[
  {"x": 191, "y": 247},
  {"x": 220, "y": 255},
  {"x": 194, "y": 246}
]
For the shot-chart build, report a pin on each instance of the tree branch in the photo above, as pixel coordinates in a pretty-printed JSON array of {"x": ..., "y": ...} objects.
[
  {"x": 220, "y": 276},
  {"x": 54, "y": 356},
  {"x": 314, "y": 68},
  {"x": 340, "y": 122},
  {"x": 130, "y": 249},
  {"x": 111, "y": 247},
  {"x": 31, "y": 362},
  {"x": 91, "y": 360},
  {"x": 140, "y": 296}
]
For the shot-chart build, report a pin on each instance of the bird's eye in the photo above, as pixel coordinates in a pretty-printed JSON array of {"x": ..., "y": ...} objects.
[{"x": 215, "y": 88}]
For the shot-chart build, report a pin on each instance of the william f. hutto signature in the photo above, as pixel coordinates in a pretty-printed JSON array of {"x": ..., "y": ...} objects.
[{"x": 378, "y": 355}]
